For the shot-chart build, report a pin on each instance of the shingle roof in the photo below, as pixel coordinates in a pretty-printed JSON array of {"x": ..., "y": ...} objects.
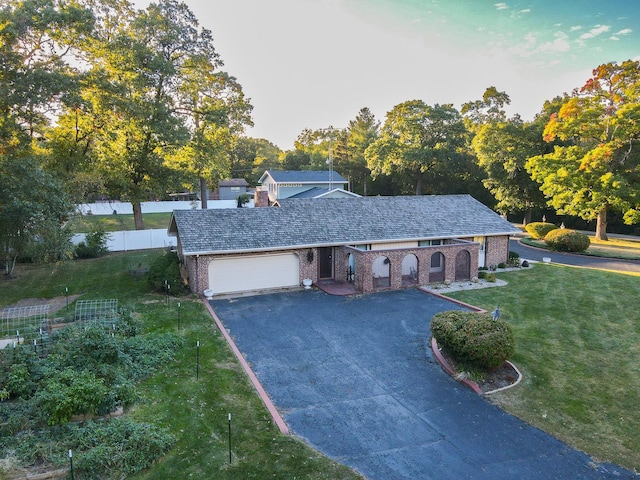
[
  {"x": 311, "y": 193},
  {"x": 306, "y": 176},
  {"x": 335, "y": 221},
  {"x": 233, "y": 182}
]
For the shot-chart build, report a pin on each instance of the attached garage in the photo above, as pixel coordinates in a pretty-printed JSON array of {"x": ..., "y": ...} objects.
[{"x": 254, "y": 272}]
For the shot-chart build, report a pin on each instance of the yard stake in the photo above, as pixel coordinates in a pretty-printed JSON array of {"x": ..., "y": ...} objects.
[{"x": 229, "y": 438}]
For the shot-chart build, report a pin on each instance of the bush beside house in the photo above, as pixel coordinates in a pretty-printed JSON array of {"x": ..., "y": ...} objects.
[{"x": 164, "y": 275}]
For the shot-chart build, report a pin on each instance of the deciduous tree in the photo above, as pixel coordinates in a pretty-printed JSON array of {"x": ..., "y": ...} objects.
[
  {"x": 420, "y": 142},
  {"x": 36, "y": 80},
  {"x": 598, "y": 169},
  {"x": 33, "y": 209}
]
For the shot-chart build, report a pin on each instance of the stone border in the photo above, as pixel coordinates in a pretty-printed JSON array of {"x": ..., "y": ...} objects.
[
  {"x": 508, "y": 386},
  {"x": 465, "y": 381},
  {"x": 447, "y": 368}
]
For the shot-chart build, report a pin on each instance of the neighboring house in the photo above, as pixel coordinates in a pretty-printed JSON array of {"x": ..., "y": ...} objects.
[
  {"x": 232, "y": 188},
  {"x": 282, "y": 184},
  {"x": 374, "y": 242}
]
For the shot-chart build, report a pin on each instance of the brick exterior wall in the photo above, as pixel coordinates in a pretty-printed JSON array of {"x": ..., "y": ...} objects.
[
  {"x": 364, "y": 281},
  {"x": 497, "y": 251}
]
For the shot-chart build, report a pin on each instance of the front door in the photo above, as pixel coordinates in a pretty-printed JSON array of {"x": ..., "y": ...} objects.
[{"x": 326, "y": 262}]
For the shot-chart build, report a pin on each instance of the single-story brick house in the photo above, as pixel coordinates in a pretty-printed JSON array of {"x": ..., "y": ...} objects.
[{"x": 374, "y": 242}]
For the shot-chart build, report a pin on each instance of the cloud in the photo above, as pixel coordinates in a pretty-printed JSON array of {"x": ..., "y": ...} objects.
[
  {"x": 616, "y": 36},
  {"x": 560, "y": 44},
  {"x": 575, "y": 28},
  {"x": 533, "y": 45},
  {"x": 501, "y": 6},
  {"x": 595, "y": 31},
  {"x": 526, "y": 10}
]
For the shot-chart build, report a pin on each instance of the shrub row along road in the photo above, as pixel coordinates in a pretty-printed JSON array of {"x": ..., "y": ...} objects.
[{"x": 536, "y": 255}]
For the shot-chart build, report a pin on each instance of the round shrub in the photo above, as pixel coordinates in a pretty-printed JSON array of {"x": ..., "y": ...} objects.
[
  {"x": 488, "y": 343},
  {"x": 444, "y": 328},
  {"x": 563, "y": 240},
  {"x": 474, "y": 338},
  {"x": 539, "y": 230}
]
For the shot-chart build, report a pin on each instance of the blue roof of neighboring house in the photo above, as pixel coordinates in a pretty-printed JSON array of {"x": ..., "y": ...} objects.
[
  {"x": 311, "y": 193},
  {"x": 335, "y": 221},
  {"x": 304, "y": 176}
]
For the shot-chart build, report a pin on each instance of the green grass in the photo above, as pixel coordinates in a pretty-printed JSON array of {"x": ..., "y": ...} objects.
[
  {"x": 115, "y": 223},
  {"x": 612, "y": 248},
  {"x": 578, "y": 347},
  {"x": 194, "y": 410}
]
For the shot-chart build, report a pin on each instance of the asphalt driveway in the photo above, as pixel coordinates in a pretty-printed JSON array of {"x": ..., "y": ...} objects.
[
  {"x": 355, "y": 378},
  {"x": 537, "y": 254}
]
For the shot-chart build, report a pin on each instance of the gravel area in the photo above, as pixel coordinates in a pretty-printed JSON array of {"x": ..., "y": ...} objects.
[{"x": 443, "y": 289}]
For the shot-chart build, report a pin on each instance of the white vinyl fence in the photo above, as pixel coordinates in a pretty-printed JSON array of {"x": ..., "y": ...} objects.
[
  {"x": 124, "y": 208},
  {"x": 143, "y": 239},
  {"x": 134, "y": 239}
]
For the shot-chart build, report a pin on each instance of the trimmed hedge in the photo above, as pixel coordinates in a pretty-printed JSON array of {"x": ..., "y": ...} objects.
[
  {"x": 563, "y": 240},
  {"x": 474, "y": 338},
  {"x": 539, "y": 230}
]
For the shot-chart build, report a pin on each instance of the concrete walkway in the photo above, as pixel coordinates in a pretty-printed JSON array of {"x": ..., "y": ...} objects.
[{"x": 355, "y": 378}]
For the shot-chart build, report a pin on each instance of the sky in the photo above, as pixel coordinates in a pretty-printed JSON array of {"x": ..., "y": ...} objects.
[{"x": 316, "y": 63}]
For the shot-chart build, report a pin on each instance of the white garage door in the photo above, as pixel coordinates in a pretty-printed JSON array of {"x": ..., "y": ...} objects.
[{"x": 240, "y": 274}]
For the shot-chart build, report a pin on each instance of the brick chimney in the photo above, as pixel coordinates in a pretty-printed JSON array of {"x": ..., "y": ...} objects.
[{"x": 261, "y": 198}]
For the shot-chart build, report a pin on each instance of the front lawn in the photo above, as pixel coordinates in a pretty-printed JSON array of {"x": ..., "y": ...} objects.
[{"x": 578, "y": 346}]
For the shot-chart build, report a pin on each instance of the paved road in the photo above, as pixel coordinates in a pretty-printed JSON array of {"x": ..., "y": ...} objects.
[
  {"x": 536, "y": 254},
  {"x": 355, "y": 378}
]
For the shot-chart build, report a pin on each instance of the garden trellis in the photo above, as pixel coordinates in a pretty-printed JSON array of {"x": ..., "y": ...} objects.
[
  {"x": 100, "y": 312},
  {"x": 23, "y": 324},
  {"x": 31, "y": 325}
]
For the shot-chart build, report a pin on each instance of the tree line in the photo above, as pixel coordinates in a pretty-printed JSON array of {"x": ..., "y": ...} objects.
[
  {"x": 577, "y": 157},
  {"x": 99, "y": 99}
]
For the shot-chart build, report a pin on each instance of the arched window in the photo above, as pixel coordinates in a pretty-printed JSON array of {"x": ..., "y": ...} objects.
[
  {"x": 410, "y": 270},
  {"x": 351, "y": 267},
  {"x": 381, "y": 272},
  {"x": 436, "y": 268}
]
